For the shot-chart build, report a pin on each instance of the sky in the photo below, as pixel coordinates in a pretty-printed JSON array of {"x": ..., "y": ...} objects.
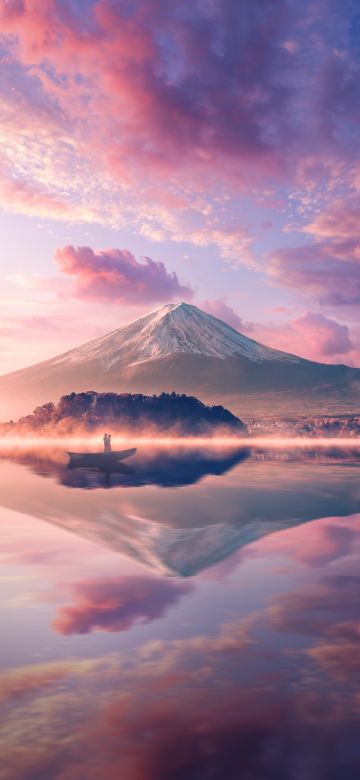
[{"x": 205, "y": 151}]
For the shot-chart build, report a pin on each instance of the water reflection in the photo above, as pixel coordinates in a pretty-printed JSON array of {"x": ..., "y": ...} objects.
[
  {"x": 182, "y": 533},
  {"x": 165, "y": 467},
  {"x": 249, "y": 667}
]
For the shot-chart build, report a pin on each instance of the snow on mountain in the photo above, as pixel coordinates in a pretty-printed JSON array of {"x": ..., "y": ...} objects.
[{"x": 175, "y": 328}]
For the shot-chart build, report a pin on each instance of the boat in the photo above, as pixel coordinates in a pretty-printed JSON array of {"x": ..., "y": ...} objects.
[{"x": 98, "y": 460}]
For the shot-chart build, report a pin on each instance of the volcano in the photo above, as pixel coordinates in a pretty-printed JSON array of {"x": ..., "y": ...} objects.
[{"x": 180, "y": 347}]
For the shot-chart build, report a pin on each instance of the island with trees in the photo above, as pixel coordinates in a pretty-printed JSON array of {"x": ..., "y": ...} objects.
[{"x": 89, "y": 412}]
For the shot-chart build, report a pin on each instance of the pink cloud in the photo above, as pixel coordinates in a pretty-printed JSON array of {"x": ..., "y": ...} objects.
[
  {"x": 171, "y": 102},
  {"x": 144, "y": 109},
  {"x": 116, "y": 604},
  {"x": 30, "y": 198},
  {"x": 311, "y": 335},
  {"x": 155, "y": 104},
  {"x": 220, "y": 309},
  {"x": 160, "y": 105},
  {"x": 339, "y": 221},
  {"x": 322, "y": 335},
  {"x": 115, "y": 274}
]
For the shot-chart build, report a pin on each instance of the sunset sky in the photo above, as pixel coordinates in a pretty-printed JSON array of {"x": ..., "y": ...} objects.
[{"x": 200, "y": 150}]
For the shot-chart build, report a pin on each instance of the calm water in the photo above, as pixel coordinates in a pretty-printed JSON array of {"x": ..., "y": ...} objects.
[{"x": 193, "y": 617}]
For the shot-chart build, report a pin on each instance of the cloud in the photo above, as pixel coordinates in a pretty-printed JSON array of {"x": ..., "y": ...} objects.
[
  {"x": 327, "y": 271},
  {"x": 322, "y": 335},
  {"x": 31, "y": 198},
  {"x": 206, "y": 706},
  {"x": 310, "y": 335},
  {"x": 220, "y": 309},
  {"x": 117, "y": 604},
  {"x": 233, "y": 242},
  {"x": 329, "y": 268},
  {"x": 166, "y": 103},
  {"x": 155, "y": 117},
  {"x": 150, "y": 123},
  {"x": 143, "y": 64},
  {"x": 116, "y": 275},
  {"x": 340, "y": 221}
]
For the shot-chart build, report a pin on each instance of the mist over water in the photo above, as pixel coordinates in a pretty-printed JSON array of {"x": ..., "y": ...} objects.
[{"x": 194, "y": 615}]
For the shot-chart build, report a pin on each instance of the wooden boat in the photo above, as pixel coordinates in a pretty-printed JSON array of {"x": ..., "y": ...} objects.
[{"x": 98, "y": 460}]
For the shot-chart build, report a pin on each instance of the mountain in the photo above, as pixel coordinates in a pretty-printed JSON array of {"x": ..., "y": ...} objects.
[{"x": 179, "y": 347}]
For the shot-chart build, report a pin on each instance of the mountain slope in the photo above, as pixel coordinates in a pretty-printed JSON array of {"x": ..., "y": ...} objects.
[
  {"x": 179, "y": 347},
  {"x": 174, "y": 329}
]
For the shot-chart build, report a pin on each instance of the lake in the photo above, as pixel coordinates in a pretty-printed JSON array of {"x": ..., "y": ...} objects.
[{"x": 193, "y": 616}]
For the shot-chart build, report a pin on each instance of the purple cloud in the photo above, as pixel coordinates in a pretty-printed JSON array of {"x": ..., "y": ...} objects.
[
  {"x": 329, "y": 268},
  {"x": 222, "y": 88},
  {"x": 328, "y": 271},
  {"x": 115, "y": 274}
]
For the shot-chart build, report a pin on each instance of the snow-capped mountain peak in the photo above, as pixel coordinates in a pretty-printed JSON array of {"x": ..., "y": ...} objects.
[{"x": 172, "y": 329}]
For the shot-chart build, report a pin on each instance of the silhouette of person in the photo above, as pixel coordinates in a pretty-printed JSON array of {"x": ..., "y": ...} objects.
[{"x": 107, "y": 442}]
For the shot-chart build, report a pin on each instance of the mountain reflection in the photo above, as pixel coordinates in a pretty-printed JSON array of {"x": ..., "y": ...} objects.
[
  {"x": 186, "y": 530},
  {"x": 245, "y": 669}
]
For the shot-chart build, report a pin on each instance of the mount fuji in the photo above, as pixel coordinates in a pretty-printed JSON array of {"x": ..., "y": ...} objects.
[{"x": 180, "y": 347}]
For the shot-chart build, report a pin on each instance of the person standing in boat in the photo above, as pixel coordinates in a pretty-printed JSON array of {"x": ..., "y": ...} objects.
[{"x": 107, "y": 442}]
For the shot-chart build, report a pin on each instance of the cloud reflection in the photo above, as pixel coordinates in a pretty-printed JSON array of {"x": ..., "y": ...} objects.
[
  {"x": 211, "y": 706},
  {"x": 268, "y": 693},
  {"x": 117, "y": 603}
]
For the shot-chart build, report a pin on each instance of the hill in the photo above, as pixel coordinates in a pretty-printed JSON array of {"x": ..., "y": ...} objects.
[{"x": 89, "y": 412}]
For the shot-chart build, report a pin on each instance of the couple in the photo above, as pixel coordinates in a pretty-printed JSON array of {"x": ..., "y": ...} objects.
[{"x": 107, "y": 442}]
